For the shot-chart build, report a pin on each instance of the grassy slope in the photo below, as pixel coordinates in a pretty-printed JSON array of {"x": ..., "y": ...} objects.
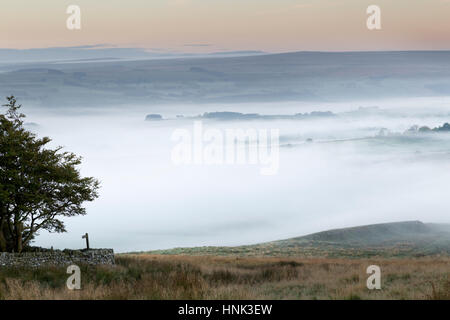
[
  {"x": 185, "y": 277},
  {"x": 170, "y": 276},
  {"x": 401, "y": 239}
]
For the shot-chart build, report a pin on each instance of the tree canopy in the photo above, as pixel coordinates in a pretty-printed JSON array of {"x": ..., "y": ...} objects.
[{"x": 39, "y": 186}]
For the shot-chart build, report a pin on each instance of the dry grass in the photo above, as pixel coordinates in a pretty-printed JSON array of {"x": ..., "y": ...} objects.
[{"x": 206, "y": 277}]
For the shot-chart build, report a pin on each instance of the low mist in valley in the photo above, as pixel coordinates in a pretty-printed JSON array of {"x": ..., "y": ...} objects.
[{"x": 356, "y": 167}]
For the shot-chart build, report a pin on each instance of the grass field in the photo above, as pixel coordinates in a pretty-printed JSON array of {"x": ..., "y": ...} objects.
[{"x": 208, "y": 277}]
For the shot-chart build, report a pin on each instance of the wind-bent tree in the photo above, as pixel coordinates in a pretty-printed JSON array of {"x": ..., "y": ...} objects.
[{"x": 38, "y": 186}]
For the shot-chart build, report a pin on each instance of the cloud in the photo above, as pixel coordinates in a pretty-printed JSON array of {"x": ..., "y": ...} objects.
[
  {"x": 197, "y": 45},
  {"x": 94, "y": 51},
  {"x": 92, "y": 46}
]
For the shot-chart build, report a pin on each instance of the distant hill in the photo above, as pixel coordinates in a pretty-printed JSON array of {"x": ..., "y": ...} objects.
[
  {"x": 399, "y": 239},
  {"x": 384, "y": 234},
  {"x": 296, "y": 76}
]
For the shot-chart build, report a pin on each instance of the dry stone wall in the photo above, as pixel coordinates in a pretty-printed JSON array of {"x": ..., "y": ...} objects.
[{"x": 57, "y": 258}]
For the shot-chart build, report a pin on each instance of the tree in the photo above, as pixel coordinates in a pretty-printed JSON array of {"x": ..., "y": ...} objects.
[{"x": 38, "y": 186}]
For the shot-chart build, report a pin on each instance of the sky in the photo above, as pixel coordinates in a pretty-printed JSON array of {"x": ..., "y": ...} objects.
[{"x": 228, "y": 25}]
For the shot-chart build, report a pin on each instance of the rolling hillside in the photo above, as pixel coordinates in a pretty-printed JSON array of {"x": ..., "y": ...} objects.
[
  {"x": 296, "y": 76},
  {"x": 400, "y": 239}
]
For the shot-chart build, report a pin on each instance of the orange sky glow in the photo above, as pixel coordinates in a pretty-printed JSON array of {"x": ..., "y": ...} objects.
[{"x": 221, "y": 25}]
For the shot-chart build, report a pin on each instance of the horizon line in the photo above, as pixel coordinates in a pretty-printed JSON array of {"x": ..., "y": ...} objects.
[{"x": 100, "y": 47}]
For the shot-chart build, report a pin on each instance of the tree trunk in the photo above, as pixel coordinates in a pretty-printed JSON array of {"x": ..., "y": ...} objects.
[
  {"x": 19, "y": 233},
  {"x": 2, "y": 235}
]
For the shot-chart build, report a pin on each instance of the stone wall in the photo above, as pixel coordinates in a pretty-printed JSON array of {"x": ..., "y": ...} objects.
[{"x": 57, "y": 258}]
